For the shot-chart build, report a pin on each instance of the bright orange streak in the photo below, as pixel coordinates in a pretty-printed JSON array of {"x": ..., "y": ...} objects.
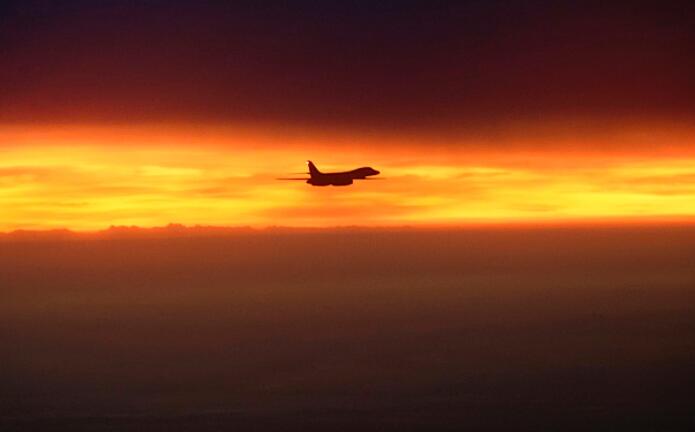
[{"x": 91, "y": 178}]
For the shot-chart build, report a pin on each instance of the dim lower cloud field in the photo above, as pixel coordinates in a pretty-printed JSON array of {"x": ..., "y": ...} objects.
[{"x": 566, "y": 328}]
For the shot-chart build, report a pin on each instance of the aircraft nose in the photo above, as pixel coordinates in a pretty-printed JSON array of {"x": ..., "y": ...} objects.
[{"x": 376, "y": 172}]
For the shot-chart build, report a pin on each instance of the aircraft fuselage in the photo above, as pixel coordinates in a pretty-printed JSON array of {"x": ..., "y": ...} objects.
[{"x": 339, "y": 178}]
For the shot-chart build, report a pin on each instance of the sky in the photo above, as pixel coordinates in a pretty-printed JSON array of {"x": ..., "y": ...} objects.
[{"x": 156, "y": 112}]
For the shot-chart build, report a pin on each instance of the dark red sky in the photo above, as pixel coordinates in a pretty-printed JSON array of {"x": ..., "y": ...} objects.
[{"x": 354, "y": 64}]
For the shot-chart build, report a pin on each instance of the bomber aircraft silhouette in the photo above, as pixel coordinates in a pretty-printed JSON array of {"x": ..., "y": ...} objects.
[{"x": 317, "y": 178}]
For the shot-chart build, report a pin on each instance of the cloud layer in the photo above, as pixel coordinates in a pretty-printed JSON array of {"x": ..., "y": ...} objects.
[{"x": 89, "y": 180}]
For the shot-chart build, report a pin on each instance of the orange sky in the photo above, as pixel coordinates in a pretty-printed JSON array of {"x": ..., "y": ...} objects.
[
  {"x": 150, "y": 113},
  {"x": 92, "y": 177}
]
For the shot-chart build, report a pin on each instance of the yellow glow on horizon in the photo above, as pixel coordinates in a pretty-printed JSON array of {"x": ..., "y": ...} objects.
[{"x": 92, "y": 178}]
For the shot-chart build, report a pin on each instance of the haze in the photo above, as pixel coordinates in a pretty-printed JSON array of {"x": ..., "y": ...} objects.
[
  {"x": 526, "y": 260},
  {"x": 351, "y": 329}
]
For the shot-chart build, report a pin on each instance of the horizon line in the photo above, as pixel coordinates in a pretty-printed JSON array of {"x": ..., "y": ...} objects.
[{"x": 174, "y": 228}]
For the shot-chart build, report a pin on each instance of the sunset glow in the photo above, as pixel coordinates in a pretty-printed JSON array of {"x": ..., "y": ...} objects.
[
  {"x": 90, "y": 178},
  {"x": 346, "y": 215}
]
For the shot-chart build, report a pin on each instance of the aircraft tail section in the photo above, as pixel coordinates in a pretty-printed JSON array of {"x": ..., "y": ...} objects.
[{"x": 312, "y": 169}]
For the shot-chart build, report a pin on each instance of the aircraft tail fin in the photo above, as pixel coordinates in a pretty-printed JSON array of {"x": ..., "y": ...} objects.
[{"x": 312, "y": 168}]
